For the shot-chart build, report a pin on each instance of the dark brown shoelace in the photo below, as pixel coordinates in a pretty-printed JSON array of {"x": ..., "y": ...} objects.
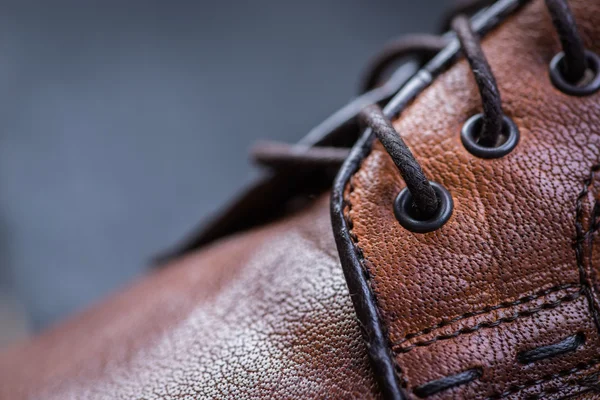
[{"x": 487, "y": 135}]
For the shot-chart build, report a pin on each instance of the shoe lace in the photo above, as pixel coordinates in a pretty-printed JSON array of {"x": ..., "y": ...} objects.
[{"x": 378, "y": 86}]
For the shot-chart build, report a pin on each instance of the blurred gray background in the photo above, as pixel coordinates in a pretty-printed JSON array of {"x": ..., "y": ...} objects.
[{"x": 123, "y": 124}]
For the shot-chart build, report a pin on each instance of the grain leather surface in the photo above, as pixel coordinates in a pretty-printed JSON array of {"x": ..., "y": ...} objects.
[
  {"x": 267, "y": 314},
  {"x": 262, "y": 315},
  {"x": 514, "y": 268}
]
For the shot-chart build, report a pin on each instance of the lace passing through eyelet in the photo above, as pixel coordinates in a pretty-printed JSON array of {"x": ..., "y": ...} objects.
[
  {"x": 506, "y": 141},
  {"x": 575, "y": 70},
  {"x": 588, "y": 84},
  {"x": 423, "y": 206},
  {"x": 490, "y": 134},
  {"x": 411, "y": 218}
]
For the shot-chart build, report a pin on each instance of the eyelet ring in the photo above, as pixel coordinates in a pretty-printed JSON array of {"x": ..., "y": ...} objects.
[
  {"x": 407, "y": 214},
  {"x": 470, "y": 132},
  {"x": 590, "y": 84}
]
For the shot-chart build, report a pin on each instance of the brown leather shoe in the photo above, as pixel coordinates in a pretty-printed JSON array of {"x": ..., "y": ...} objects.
[{"x": 466, "y": 242}]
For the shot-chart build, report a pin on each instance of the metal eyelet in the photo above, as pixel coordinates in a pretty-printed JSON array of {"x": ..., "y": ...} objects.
[
  {"x": 408, "y": 215},
  {"x": 589, "y": 84},
  {"x": 469, "y": 136}
]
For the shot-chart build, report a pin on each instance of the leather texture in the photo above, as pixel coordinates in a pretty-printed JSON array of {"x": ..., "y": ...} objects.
[
  {"x": 264, "y": 314},
  {"x": 515, "y": 267}
]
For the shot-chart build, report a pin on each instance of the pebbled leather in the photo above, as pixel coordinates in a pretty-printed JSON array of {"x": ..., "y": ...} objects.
[
  {"x": 265, "y": 314},
  {"x": 514, "y": 268}
]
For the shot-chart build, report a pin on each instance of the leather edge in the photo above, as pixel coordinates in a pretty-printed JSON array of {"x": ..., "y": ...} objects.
[{"x": 363, "y": 298}]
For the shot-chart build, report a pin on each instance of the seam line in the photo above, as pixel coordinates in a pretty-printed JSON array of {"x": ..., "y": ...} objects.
[{"x": 491, "y": 324}]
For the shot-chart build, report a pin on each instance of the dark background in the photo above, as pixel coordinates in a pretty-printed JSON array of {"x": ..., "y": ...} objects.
[{"x": 123, "y": 124}]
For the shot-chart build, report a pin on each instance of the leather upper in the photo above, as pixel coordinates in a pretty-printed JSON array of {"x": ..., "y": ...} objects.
[
  {"x": 267, "y": 313},
  {"x": 514, "y": 268}
]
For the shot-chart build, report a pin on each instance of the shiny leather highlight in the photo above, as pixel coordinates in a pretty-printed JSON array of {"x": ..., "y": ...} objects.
[
  {"x": 265, "y": 314},
  {"x": 513, "y": 268}
]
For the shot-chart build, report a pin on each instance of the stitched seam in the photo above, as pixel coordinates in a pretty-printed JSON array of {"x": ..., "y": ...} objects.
[
  {"x": 581, "y": 236},
  {"x": 522, "y": 300},
  {"x": 491, "y": 324},
  {"x": 586, "y": 390},
  {"x": 595, "y": 224},
  {"x": 562, "y": 374},
  {"x": 354, "y": 237}
]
